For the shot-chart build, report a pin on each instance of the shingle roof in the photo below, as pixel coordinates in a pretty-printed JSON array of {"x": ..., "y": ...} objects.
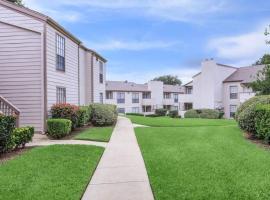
[
  {"x": 244, "y": 74},
  {"x": 172, "y": 88},
  {"x": 125, "y": 86}
]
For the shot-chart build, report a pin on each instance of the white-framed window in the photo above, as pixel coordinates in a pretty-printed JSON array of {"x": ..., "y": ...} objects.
[
  {"x": 109, "y": 94},
  {"x": 101, "y": 97},
  {"x": 135, "y": 109},
  {"x": 166, "y": 95},
  {"x": 120, "y": 97},
  {"x": 101, "y": 69},
  {"x": 60, "y": 95},
  {"x": 175, "y": 97},
  {"x": 188, "y": 106},
  {"x": 147, "y": 108},
  {"x": 135, "y": 97},
  {"x": 121, "y": 110},
  {"x": 233, "y": 92},
  {"x": 189, "y": 89},
  {"x": 233, "y": 109},
  {"x": 60, "y": 53},
  {"x": 146, "y": 95}
]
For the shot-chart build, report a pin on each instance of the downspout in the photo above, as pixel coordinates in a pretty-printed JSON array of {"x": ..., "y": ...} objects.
[
  {"x": 79, "y": 92},
  {"x": 92, "y": 77},
  {"x": 45, "y": 114}
]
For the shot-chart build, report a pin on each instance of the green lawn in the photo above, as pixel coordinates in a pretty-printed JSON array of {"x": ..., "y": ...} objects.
[
  {"x": 206, "y": 162},
  {"x": 59, "y": 172},
  {"x": 102, "y": 134},
  {"x": 176, "y": 122}
]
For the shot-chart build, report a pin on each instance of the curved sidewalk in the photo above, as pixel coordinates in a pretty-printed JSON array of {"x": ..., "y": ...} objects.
[{"x": 121, "y": 173}]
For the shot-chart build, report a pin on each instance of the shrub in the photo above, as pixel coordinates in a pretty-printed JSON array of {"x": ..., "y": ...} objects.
[
  {"x": 173, "y": 113},
  {"x": 221, "y": 114},
  {"x": 21, "y": 136},
  {"x": 161, "y": 112},
  {"x": 103, "y": 114},
  {"x": 192, "y": 114},
  {"x": 152, "y": 115},
  {"x": 209, "y": 114},
  {"x": 58, "y": 128},
  {"x": 135, "y": 114},
  {"x": 246, "y": 113},
  {"x": 66, "y": 111},
  {"x": 262, "y": 122},
  {"x": 83, "y": 115},
  {"x": 7, "y": 124}
]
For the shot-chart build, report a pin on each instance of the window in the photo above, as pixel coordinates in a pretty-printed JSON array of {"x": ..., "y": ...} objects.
[
  {"x": 188, "y": 106},
  {"x": 135, "y": 110},
  {"x": 101, "y": 97},
  {"x": 146, "y": 108},
  {"x": 60, "y": 95},
  {"x": 135, "y": 97},
  {"x": 233, "y": 92},
  {"x": 121, "y": 110},
  {"x": 167, "y": 107},
  {"x": 146, "y": 95},
  {"x": 166, "y": 95},
  {"x": 175, "y": 97},
  {"x": 60, "y": 53},
  {"x": 232, "y": 110},
  {"x": 120, "y": 97},
  {"x": 100, "y": 72},
  {"x": 174, "y": 108},
  {"x": 189, "y": 89},
  {"x": 109, "y": 95}
]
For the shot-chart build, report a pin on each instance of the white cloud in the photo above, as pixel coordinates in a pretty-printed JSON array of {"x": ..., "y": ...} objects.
[
  {"x": 131, "y": 45},
  {"x": 184, "y": 74},
  {"x": 242, "y": 49}
]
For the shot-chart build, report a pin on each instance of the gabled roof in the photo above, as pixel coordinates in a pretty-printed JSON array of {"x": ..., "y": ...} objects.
[
  {"x": 244, "y": 74},
  {"x": 125, "y": 86}
]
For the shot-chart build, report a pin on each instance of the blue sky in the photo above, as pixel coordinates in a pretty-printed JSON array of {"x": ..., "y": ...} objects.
[{"x": 145, "y": 38}]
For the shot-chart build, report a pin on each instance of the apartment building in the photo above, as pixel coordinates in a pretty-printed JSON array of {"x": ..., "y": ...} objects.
[
  {"x": 216, "y": 86},
  {"x": 41, "y": 64}
]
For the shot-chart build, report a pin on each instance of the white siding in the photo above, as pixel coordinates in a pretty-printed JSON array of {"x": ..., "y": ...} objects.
[
  {"x": 67, "y": 79},
  {"x": 21, "y": 77},
  {"x": 82, "y": 78},
  {"x": 15, "y": 18}
]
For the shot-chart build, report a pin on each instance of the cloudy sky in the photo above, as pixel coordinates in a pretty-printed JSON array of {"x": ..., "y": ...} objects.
[{"x": 145, "y": 38}]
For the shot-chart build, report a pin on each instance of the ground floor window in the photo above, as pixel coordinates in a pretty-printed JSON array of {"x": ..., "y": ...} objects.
[
  {"x": 233, "y": 109},
  {"x": 101, "y": 97},
  {"x": 135, "y": 109},
  {"x": 188, "y": 106},
  {"x": 60, "y": 95},
  {"x": 174, "y": 108},
  {"x": 121, "y": 110},
  {"x": 167, "y": 107},
  {"x": 109, "y": 95},
  {"x": 147, "y": 108}
]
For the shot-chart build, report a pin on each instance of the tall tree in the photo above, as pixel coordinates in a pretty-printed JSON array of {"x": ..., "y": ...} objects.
[
  {"x": 18, "y": 2},
  {"x": 263, "y": 60},
  {"x": 169, "y": 79}
]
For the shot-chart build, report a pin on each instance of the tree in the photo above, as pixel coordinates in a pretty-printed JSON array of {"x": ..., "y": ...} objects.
[
  {"x": 18, "y": 2},
  {"x": 262, "y": 84},
  {"x": 263, "y": 60},
  {"x": 169, "y": 80}
]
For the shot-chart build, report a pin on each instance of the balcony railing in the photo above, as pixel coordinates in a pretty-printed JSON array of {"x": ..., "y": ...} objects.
[{"x": 8, "y": 109}]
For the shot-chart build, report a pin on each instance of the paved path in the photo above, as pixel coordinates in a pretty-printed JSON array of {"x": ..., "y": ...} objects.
[{"x": 121, "y": 173}]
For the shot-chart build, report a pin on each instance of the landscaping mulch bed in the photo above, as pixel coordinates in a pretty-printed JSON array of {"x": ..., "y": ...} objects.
[
  {"x": 11, "y": 155},
  {"x": 255, "y": 140}
]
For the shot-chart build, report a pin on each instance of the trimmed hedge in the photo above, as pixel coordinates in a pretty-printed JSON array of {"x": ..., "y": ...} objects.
[
  {"x": 192, "y": 114},
  {"x": 161, "y": 112},
  {"x": 7, "y": 125},
  {"x": 103, "y": 114},
  {"x": 21, "y": 136},
  {"x": 66, "y": 111},
  {"x": 262, "y": 122},
  {"x": 173, "y": 114},
  {"x": 58, "y": 128},
  {"x": 135, "y": 114},
  {"x": 209, "y": 114},
  {"x": 246, "y": 113},
  {"x": 83, "y": 115},
  {"x": 152, "y": 115}
]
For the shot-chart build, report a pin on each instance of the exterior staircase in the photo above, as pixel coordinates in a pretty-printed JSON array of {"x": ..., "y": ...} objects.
[{"x": 8, "y": 109}]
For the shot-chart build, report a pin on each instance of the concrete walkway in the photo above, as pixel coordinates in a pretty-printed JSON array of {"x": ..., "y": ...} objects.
[{"x": 121, "y": 173}]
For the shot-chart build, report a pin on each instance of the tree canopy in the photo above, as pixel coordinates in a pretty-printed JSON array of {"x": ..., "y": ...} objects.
[
  {"x": 262, "y": 84},
  {"x": 18, "y": 2},
  {"x": 263, "y": 60},
  {"x": 169, "y": 80}
]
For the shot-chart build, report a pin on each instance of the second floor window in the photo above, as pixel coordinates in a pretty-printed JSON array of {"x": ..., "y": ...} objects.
[
  {"x": 175, "y": 97},
  {"x": 120, "y": 97},
  {"x": 100, "y": 72},
  {"x": 135, "y": 97},
  {"x": 109, "y": 95},
  {"x": 233, "y": 92},
  {"x": 189, "y": 90},
  {"x": 146, "y": 95},
  {"x": 60, "y": 53},
  {"x": 60, "y": 95},
  {"x": 166, "y": 95}
]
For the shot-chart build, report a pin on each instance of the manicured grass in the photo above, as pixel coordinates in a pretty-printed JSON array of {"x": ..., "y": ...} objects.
[
  {"x": 102, "y": 134},
  {"x": 53, "y": 172},
  {"x": 204, "y": 163},
  {"x": 176, "y": 122}
]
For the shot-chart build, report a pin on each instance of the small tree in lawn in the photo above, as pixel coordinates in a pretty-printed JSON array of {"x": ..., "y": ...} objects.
[{"x": 169, "y": 79}]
